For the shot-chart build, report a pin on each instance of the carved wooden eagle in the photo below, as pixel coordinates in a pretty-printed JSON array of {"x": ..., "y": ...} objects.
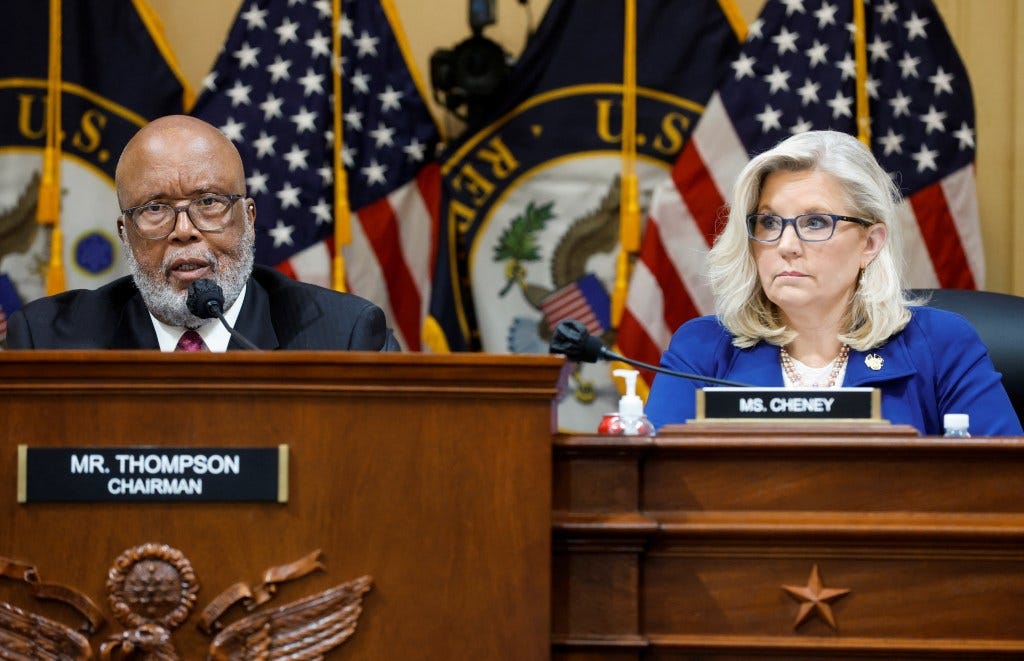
[
  {"x": 303, "y": 629},
  {"x": 25, "y": 635}
]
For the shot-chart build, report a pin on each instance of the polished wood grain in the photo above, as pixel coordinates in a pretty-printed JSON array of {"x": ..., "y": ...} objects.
[
  {"x": 432, "y": 474},
  {"x": 704, "y": 543}
]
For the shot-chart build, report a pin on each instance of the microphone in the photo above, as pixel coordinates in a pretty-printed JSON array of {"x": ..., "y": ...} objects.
[
  {"x": 572, "y": 340},
  {"x": 206, "y": 300}
]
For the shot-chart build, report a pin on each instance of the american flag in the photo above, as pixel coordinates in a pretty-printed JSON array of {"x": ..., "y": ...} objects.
[
  {"x": 796, "y": 72},
  {"x": 271, "y": 92},
  {"x": 584, "y": 300}
]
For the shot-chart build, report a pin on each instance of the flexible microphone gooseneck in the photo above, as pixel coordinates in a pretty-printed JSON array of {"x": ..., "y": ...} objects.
[
  {"x": 206, "y": 300},
  {"x": 572, "y": 340}
]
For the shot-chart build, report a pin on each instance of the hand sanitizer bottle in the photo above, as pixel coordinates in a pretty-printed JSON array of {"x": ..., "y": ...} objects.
[{"x": 630, "y": 419}]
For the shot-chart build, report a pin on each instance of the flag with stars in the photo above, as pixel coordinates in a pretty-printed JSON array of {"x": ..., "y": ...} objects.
[
  {"x": 272, "y": 93},
  {"x": 797, "y": 72}
]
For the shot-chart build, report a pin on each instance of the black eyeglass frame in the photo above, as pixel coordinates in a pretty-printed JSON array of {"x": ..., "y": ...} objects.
[
  {"x": 753, "y": 217},
  {"x": 129, "y": 214}
]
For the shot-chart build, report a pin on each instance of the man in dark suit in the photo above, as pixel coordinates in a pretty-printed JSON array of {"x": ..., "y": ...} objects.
[{"x": 181, "y": 187}]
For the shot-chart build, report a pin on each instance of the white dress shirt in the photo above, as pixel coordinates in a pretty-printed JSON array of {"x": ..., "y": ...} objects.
[{"x": 215, "y": 336}]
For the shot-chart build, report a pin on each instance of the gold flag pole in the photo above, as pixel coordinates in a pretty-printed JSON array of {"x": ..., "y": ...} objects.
[
  {"x": 629, "y": 196},
  {"x": 860, "y": 54},
  {"x": 629, "y": 211},
  {"x": 48, "y": 206},
  {"x": 342, "y": 212}
]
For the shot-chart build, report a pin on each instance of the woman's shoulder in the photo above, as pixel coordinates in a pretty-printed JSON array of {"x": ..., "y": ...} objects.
[
  {"x": 938, "y": 324},
  {"x": 929, "y": 317},
  {"x": 701, "y": 335},
  {"x": 706, "y": 327}
]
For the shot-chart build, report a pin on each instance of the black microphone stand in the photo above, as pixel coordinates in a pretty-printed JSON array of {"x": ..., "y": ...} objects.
[
  {"x": 214, "y": 308},
  {"x": 572, "y": 340},
  {"x": 205, "y": 300},
  {"x": 607, "y": 354}
]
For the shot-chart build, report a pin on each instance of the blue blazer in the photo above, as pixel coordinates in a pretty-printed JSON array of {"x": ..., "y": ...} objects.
[{"x": 936, "y": 365}]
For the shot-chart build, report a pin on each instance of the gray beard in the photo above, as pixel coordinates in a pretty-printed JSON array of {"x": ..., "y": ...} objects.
[{"x": 168, "y": 305}]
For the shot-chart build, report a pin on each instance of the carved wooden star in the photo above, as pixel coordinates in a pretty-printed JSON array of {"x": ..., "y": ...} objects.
[{"x": 815, "y": 598}]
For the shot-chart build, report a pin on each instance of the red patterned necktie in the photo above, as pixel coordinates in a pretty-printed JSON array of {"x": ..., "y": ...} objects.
[{"x": 191, "y": 341}]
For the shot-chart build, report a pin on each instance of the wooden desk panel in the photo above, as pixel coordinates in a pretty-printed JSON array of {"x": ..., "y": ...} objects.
[
  {"x": 399, "y": 470},
  {"x": 927, "y": 535}
]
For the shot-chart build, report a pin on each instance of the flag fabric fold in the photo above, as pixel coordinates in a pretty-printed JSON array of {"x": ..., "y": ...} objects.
[
  {"x": 271, "y": 92},
  {"x": 531, "y": 193},
  {"x": 797, "y": 72}
]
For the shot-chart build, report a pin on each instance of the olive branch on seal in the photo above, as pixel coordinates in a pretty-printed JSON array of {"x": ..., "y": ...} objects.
[{"x": 518, "y": 243}]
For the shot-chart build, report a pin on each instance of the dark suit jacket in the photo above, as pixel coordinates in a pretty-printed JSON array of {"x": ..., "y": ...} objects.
[{"x": 277, "y": 313}]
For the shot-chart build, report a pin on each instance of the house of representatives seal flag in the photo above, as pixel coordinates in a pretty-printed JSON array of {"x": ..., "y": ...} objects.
[
  {"x": 531, "y": 195},
  {"x": 891, "y": 75},
  {"x": 77, "y": 80}
]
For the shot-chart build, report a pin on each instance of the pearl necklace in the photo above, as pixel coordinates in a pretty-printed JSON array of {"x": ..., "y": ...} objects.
[{"x": 838, "y": 363}]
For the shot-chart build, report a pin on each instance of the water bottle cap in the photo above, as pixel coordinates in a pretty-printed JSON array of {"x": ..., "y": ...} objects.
[{"x": 956, "y": 421}]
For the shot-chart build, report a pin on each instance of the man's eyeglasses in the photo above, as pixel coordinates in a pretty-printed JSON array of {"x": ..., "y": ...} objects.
[
  {"x": 768, "y": 227},
  {"x": 156, "y": 220}
]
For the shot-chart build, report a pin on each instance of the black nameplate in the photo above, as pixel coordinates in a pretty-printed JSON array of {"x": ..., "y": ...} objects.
[
  {"x": 143, "y": 473},
  {"x": 788, "y": 404}
]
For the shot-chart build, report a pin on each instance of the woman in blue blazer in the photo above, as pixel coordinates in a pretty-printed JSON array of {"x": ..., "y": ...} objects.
[{"x": 807, "y": 286}]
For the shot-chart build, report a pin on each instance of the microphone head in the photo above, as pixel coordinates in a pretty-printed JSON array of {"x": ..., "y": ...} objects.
[
  {"x": 572, "y": 340},
  {"x": 205, "y": 298}
]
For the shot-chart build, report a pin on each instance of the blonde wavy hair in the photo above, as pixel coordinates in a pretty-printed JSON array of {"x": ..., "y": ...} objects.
[{"x": 880, "y": 302}]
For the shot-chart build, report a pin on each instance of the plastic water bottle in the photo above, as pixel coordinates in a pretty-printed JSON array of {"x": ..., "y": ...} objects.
[{"x": 957, "y": 425}]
